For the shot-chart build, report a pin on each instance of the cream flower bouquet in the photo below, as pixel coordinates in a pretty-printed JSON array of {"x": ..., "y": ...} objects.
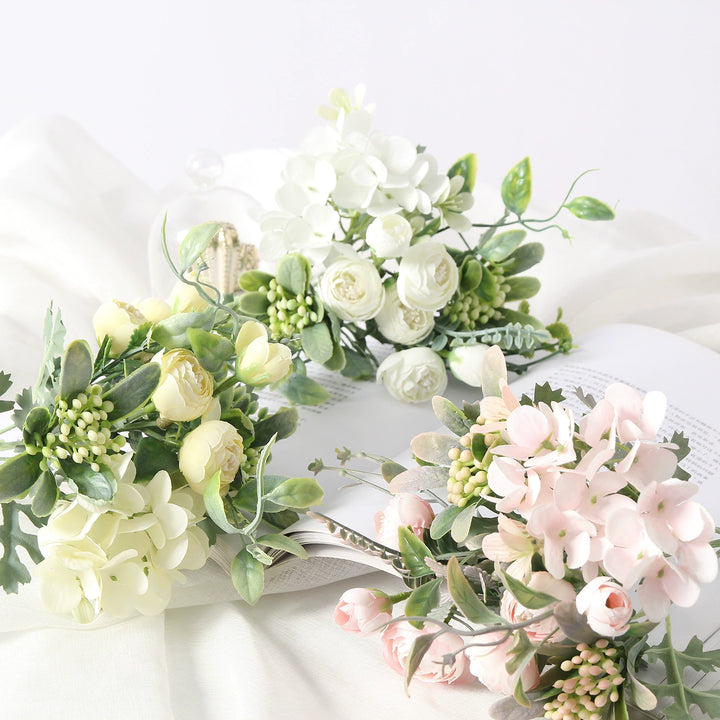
[
  {"x": 126, "y": 461},
  {"x": 372, "y": 245}
]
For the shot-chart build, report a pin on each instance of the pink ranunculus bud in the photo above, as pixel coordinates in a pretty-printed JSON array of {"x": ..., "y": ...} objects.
[
  {"x": 487, "y": 664},
  {"x": 362, "y": 611},
  {"x": 405, "y": 509},
  {"x": 398, "y": 640},
  {"x": 607, "y": 606}
]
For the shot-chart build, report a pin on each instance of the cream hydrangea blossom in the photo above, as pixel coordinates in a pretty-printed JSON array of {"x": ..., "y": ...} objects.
[{"x": 124, "y": 556}]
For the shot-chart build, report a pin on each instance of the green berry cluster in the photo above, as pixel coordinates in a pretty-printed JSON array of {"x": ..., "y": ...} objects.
[
  {"x": 83, "y": 432},
  {"x": 592, "y": 682},
  {"x": 468, "y": 311},
  {"x": 288, "y": 314},
  {"x": 249, "y": 465},
  {"x": 468, "y": 468}
]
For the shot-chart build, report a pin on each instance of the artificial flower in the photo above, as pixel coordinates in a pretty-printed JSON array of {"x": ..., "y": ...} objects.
[
  {"x": 427, "y": 277},
  {"x": 401, "y": 324},
  {"x": 362, "y": 611},
  {"x": 351, "y": 287},
  {"x": 185, "y": 390},
  {"x": 403, "y": 510},
  {"x": 413, "y": 375}
]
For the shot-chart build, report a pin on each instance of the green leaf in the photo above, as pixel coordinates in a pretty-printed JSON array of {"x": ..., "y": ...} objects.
[
  {"x": 153, "y": 455},
  {"x": 215, "y": 506},
  {"x": 302, "y": 390},
  {"x": 45, "y": 493},
  {"x": 100, "y": 485},
  {"x": 357, "y": 366},
  {"x": 465, "y": 597},
  {"x": 521, "y": 288},
  {"x": 419, "y": 648},
  {"x": 527, "y": 597},
  {"x": 517, "y": 187},
  {"x": 293, "y": 273},
  {"x": 172, "y": 332},
  {"x": 443, "y": 521},
  {"x": 255, "y": 304},
  {"x": 336, "y": 362},
  {"x": 420, "y": 478},
  {"x": 642, "y": 696},
  {"x": 12, "y": 570},
  {"x": 297, "y": 493},
  {"x": 76, "y": 368},
  {"x": 18, "y": 475},
  {"x": 391, "y": 469},
  {"x": 283, "y": 542},
  {"x": 196, "y": 243},
  {"x": 317, "y": 343},
  {"x": 433, "y": 447},
  {"x": 523, "y": 259},
  {"x": 588, "y": 208},
  {"x": 467, "y": 167},
  {"x": 133, "y": 392},
  {"x": 248, "y": 576},
  {"x": 461, "y": 527},
  {"x": 520, "y": 654},
  {"x": 544, "y": 393},
  {"x": 501, "y": 246},
  {"x": 253, "y": 280},
  {"x": 471, "y": 273},
  {"x": 53, "y": 342},
  {"x": 450, "y": 416},
  {"x": 5, "y": 383},
  {"x": 37, "y": 423},
  {"x": 488, "y": 288},
  {"x": 423, "y": 600},
  {"x": 211, "y": 349},
  {"x": 282, "y": 423},
  {"x": 413, "y": 551}
]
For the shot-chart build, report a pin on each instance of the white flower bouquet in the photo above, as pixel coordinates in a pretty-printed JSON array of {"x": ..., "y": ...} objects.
[
  {"x": 369, "y": 247},
  {"x": 125, "y": 462},
  {"x": 564, "y": 542}
]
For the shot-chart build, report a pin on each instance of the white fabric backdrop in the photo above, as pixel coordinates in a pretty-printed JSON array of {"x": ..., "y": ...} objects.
[{"x": 73, "y": 228}]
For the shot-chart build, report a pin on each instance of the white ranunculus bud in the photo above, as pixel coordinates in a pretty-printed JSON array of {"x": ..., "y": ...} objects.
[
  {"x": 401, "y": 324},
  {"x": 118, "y": 321},
  {"x": 465, "y": 363},
  {"x": 428, "y": 276},
  {"x": 185, "y": 390},
  {"x": 351, "y": 287},
  {"x": 154, "y": 310},
  {"x": 389, "y": 236},
  {"x": 413, "y": 375},
  {"x": 211, "y": 446},
  {"x": 260, "y": 362},
  {"x": 185, "y": 298}
]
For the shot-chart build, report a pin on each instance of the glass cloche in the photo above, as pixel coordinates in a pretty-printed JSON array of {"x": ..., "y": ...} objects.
[{"x": 233, "y": 249}]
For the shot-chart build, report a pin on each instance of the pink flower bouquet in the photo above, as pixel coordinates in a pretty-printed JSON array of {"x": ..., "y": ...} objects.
[{"x": 564, "y": 542}]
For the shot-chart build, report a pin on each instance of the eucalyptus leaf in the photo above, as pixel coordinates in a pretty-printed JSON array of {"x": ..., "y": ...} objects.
[
  {"x": 450, "y": 416},
  {"x": 433, "y": 447},
  {"x": 523, "y": 259},
  {"x": 516, "y": 187},
  {"x": 255, "y": 304},
  {"x": 248, "y": 576},
  {"x": 211, "y": 349},
  {"x": 196, "y": 242},
  {"x": 521, "y": 288},
  {"x": 293, "y": 273},
  {"x": 133, "y": 392},
  {"x": 471, "y": 274},
  {"x": 501, "y": 246},
  {"x": 415, "y": 479},
  {"x": 297, "y": 493},
  {"x": 336, "y": 361},
  {"x": 317, "y": 343},
  {"x": 391, "y": 469},
  {"x": 461, "y": 527},
  {"x": 37, "y": 423},
  {"x": 253, "y": 280},
  {"x": 18, "y": 475},
  {"x": 216, "y": 508},
  {"x": 283, "y": 542},
  {"x": 76, "y": 368},
  {"x": 466, "y": 598},
  {"x": 302, "y": 390},
  {"x": 357, "y": 366},
  {"x": 283, "y": 424}
]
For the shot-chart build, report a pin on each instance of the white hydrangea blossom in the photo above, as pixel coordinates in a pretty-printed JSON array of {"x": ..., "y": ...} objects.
[{"x": 124, "y": 556}]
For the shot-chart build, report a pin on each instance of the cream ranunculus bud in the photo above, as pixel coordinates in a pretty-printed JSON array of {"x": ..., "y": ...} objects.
[
  {"x": 186, "y": 298},
  {"x": 465, "y": 363},
  {"x": 185, "y": 391},
  {"x": 117, "y": 320},
  {"x": 389, "y": 236},
  {"x": 154, "y": 310},
  {"x": 401, "y": 324},
  {"x": 413, "y": 375},
  {"x": 351, "y": 287},
  {"x": 211, "y": 446},
  {"x": 260, "y": 362},
  {"x": 428, "y": 276}
]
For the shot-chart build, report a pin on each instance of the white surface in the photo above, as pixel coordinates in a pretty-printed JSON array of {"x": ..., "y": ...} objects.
[{"x": 632, "y": 88}]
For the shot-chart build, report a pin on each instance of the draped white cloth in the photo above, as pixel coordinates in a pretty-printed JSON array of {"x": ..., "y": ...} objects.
[{"x": 73, "y": 228}]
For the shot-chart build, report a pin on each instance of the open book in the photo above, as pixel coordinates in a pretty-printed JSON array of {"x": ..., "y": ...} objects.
[{"x": 364, "y": 417}]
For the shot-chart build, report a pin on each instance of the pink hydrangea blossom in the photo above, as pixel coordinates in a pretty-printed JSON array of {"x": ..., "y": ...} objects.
[
  {"x": 520, "y": 488},
  {"x": 511, "y": 544}
]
